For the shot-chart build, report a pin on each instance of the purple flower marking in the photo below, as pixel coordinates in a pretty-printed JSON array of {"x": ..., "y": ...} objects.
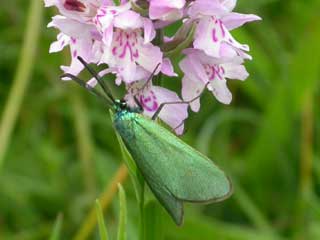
[
  {"x": 150, "y": 102},
  {"x": 74, "y": 5},
  {"x": 125, "y": 40}
]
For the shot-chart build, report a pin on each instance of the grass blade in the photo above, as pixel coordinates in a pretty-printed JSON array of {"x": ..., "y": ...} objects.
[
  {"x": 22, "y": 76},
  {"x": 102, "y": 227},
  {"x": 56, "y": 232},
  {"x": 122, "y": 232}
]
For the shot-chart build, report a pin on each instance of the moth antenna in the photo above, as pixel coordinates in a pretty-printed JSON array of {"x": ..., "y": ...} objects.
[
  {"x": 84, "y": 85},
  {"x": 97, "y": 77},
  {"x": 150, "y": 77}
]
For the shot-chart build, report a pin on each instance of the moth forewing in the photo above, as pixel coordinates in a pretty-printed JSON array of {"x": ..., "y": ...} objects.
[{"x": 174, "y": 171}]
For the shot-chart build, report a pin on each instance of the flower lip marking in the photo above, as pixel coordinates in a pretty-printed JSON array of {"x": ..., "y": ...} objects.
[
  {"x": 126, "y": 43},
  {"x": 74, "y": 5},
  {"x": 215, "y": 31},
  {"x": 149, "y": 103},
  {"x": 214, "y": 71}
]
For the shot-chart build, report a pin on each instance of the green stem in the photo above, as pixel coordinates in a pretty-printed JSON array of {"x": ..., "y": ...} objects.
[
  {"x": 137, "y": 8},
  {"x": 22, "y": 76},
  {"x": 182, "y": 45}
]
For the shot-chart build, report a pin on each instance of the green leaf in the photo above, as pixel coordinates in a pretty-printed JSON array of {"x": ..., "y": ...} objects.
[
  {"x": 122, "y": 232},
  {"x": 102, "y": 227},
  {"x": 55, "y": 235}
]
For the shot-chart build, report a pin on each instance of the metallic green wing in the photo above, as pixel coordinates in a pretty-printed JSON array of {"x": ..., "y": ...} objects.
[{"x": 174, "y": 171}]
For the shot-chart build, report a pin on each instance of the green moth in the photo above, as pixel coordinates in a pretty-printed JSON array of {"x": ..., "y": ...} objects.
[{"x": 174, "y": 171}]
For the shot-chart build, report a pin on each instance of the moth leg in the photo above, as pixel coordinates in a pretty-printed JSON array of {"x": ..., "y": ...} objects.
[
  {"x": 144, "y": 86},
  {"x": 156, "y": 114},
  {"x": 138, "y": 103}
]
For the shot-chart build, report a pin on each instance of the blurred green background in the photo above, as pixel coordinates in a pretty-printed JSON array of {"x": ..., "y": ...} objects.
[{"x": 58, "y": 151}]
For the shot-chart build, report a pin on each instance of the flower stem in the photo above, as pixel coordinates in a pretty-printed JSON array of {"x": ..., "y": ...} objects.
[
  {"x": 137, "y": 8},
  {"x": 182, "y": 45},
  {"x": 22, "y": 76},
  {"x": 105, "y": 200}
]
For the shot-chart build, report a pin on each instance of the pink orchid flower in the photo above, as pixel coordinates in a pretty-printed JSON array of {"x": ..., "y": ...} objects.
[
  {"x": 80, "y": 10},
  {"x": 82, "y": 38},
  {"x": 215, "y": 19},
  {"x": 151, "y": 97},
  {"x": 127, "y": 37},
  {"x": 202, "y": 71}
]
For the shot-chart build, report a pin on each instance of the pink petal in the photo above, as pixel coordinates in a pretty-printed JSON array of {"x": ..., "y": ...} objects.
[
  {"x": 149, "y": 57},
  {"x": 79, "y": 47},
  {"x": 128, "y": 20},
  {"x": 166, "y": 10},
  {"x": 229, "y": 4},
  {"x": 108, "y": 36},
  {"x": 192, "y": 67},
  {"x": 63, "y": 40},
  {"x": 149, "y": 31},
  {"x": 190, "y": 90},
  {"x": 227, "y": 51},
  {"x": 235, "y": 71},
  {"x": 173, "y": 114},
  {"x": 235, "y": 20},
  {"x": 220, "y": 90},
  {"x": 211, "y": 34},
  {"x": 49, "y": 3},
  {"x": 206, "y": 8},
  {"x": 167, "y": 68},
  {"x": 127, "y": 69},
  {"x": 93, "y": 81},
  {"x": 203, "y": 38},
  {"x": 71, "y": 27}
]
